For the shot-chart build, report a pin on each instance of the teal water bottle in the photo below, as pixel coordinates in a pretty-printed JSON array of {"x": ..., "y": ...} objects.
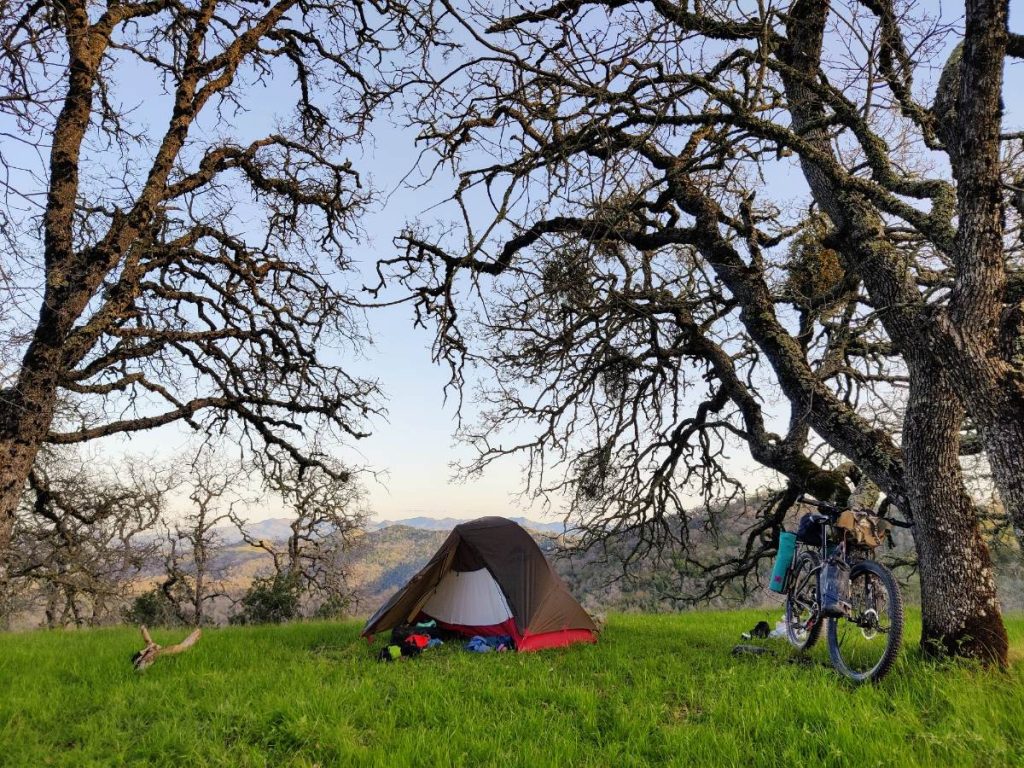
[{"x": 783, "y": 562}]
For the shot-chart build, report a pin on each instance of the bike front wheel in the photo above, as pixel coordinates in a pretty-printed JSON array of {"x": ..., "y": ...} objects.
[{"x": 864, "y": 645}]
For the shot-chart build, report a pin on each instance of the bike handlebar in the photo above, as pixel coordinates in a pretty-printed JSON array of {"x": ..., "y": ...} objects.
[
  {"x": 834, "y": 511},
  {"x": 883, "y": 513}
]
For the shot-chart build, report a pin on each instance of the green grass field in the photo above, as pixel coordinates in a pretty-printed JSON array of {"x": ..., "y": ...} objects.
[{"x": 657, "y": 690}]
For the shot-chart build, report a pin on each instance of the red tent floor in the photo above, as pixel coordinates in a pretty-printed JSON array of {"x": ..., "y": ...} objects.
[{"x": 524, "y": 642}]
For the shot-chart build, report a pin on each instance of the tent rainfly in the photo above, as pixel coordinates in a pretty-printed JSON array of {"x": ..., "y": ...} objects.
[{"x": 490, "y": 578}]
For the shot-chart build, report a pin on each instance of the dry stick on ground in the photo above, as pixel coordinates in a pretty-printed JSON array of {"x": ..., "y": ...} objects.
[{"x": 149, "y": 654}]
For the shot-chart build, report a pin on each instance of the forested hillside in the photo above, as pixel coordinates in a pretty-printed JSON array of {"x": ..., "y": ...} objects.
[
  {"x": 382, "y": 560},
  {"x": 615, "y": 577}
]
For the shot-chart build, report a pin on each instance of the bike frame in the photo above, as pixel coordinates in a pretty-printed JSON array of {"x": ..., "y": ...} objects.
[{"x": 822, "y": 550}]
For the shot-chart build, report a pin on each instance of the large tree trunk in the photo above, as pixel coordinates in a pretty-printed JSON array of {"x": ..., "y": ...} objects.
[
  {"x": 959, "y": 610},
  {"x": 26, "y": 411},
  {"x": 976, "y": 346},
  {"x": 994, "y": 395},
  {"x": 1004, "y": 444},
  {"x": 17, "y": 453}
]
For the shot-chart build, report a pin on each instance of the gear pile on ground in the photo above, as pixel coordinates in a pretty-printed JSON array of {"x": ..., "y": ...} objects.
[{"x": 410, "y": 640}]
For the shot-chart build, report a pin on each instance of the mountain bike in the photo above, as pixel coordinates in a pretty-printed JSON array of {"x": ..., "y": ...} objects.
[{"x": 864, "y": 614}]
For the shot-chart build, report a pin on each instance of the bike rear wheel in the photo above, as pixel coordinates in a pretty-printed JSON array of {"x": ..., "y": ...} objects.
[
  {"x": 864, "y": 645},
  {"x": 803, "y": 624}
]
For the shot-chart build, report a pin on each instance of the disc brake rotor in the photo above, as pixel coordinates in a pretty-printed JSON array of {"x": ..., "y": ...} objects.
[{"x": 869, "y": 624}]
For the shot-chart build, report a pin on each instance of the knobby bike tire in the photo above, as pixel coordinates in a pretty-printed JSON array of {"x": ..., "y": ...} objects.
[{"x": 894, "y": 637}]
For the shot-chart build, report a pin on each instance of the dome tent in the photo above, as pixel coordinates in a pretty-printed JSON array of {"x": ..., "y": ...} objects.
[{"x": 490, "y": 578}]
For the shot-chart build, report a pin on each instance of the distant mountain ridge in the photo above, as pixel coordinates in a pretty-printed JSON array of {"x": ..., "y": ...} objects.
[
  {"x": 447, "y": 523},
  {"x": 271, "y": 529},
  {"x": 278, "y": 528}
]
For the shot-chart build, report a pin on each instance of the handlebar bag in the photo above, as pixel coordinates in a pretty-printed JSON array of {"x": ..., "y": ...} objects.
[
  {"x": 809, "y": 530},
  {"x": 866, "y": 530}
]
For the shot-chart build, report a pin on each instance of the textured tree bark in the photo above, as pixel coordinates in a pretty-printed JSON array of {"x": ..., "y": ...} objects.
[
  {"x": 960, "y": 611},
  {"x": 26, "y": 411},
  {"x": 994, "y": 395},
  {"x": 979, "y": 359},
  {"x": 1004, "y": 445}
]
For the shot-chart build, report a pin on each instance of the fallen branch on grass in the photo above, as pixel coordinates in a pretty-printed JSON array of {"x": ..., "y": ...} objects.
[{"x": 149, "y": 654}]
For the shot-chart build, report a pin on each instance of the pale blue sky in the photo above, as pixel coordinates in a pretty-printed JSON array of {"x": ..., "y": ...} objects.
[{"x": 414, "y": 448}]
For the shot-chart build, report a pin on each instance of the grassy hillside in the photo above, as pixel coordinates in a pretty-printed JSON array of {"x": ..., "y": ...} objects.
[{"x": 656, "y": 690}]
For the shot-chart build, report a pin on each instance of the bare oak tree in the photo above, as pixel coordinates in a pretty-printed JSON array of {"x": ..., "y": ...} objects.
[
  {"x": 325, "y": 514},
  {"x": 82, "y": 537},
  {"x": 164, "y": 258},
  {"x": 193, "y": 542},
  {"x": 642, "y": 286}
]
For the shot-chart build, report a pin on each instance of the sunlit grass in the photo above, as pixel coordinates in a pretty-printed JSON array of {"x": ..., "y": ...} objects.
[{"x": 656, "y": 690}]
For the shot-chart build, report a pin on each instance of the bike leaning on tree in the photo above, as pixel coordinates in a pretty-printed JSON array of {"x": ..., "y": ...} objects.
[{"x": 829, "y": 575}]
